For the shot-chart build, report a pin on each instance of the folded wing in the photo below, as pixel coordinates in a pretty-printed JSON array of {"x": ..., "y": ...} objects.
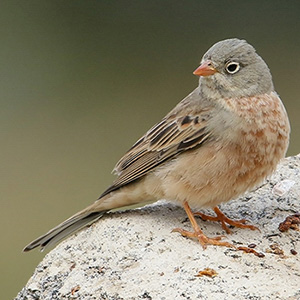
[{"x": 164, "y": 141}]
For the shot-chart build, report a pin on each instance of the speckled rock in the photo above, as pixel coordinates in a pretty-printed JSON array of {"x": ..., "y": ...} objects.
[{"x": 134, "y": 255}]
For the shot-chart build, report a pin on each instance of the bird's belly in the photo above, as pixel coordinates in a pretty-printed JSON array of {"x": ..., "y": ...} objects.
[{"x": 216, "y": 173}]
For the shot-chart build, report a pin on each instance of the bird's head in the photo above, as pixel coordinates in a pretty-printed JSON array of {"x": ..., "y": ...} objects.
[{"x": 232, "y": 68}]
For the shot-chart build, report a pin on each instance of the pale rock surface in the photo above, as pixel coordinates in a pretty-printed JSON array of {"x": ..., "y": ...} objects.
[{"x": 134, "y": 255}]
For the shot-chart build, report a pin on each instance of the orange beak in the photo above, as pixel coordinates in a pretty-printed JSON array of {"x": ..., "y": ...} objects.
[{"x": 205, "y": 69}]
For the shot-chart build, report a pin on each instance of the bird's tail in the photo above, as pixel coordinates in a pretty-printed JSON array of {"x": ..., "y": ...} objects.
[
  {"x": 128, "y": 197},
  {"x": 62, "y": 230}
]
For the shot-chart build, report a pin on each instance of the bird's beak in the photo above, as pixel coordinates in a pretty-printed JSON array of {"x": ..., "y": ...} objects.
[{"x": 205, "y": 69}]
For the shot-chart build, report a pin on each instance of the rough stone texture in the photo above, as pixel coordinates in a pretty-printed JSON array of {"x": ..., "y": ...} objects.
[{"x": 134, "y": 255}]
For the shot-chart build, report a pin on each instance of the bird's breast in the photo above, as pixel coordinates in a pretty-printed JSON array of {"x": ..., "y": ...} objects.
[{"x": 247, "y": 144}]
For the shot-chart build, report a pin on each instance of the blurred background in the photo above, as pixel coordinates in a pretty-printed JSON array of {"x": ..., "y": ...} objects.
[{"x": 81, "y": 81}]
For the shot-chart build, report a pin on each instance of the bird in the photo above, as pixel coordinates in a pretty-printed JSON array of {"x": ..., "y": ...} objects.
[{"x": 219, "y": 142}]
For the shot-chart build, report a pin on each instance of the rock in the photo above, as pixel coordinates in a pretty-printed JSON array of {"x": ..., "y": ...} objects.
[{"x": 134, "y": 255}]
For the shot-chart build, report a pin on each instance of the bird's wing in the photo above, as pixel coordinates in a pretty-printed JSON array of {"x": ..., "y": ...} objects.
[{"x": 176, "y": 133}]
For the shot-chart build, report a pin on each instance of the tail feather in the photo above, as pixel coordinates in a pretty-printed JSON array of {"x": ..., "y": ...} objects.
[
  {"x": 64, "y": 229},
  {"x": 127, "y": 198}
]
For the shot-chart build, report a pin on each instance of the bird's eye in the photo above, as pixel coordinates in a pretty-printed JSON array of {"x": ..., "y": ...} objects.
[{"x": 232, "y": 67}]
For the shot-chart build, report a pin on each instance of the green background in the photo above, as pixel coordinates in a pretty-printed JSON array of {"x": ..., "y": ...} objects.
[{"x": 81, "y": 81}]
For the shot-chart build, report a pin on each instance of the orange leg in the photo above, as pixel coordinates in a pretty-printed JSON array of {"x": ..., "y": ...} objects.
[
  {"x": 198, "y": 234},
  {"x": 223, "y": 219}
]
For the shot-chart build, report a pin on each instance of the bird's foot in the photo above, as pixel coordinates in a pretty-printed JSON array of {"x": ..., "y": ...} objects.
[
  {"x": 225, "y": 220},
  {"x": 198, "y": 234},
  {"x": 203, "y": 239}
]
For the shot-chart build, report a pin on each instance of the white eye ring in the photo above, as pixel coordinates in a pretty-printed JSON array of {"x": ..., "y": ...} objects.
[{"x": 232, "y": 67}]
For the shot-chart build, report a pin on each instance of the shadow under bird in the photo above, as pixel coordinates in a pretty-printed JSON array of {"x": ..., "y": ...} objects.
[{"x": 220, "y": 141}]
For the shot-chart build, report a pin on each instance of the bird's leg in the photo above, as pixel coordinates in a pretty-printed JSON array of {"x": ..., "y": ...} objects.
[
  {"x": 198, "y": 234},
  {"x": 223, "y": 220}
]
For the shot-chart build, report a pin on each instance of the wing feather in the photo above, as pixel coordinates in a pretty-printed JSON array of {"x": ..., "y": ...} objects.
[{"x": 165, "y": 140}]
